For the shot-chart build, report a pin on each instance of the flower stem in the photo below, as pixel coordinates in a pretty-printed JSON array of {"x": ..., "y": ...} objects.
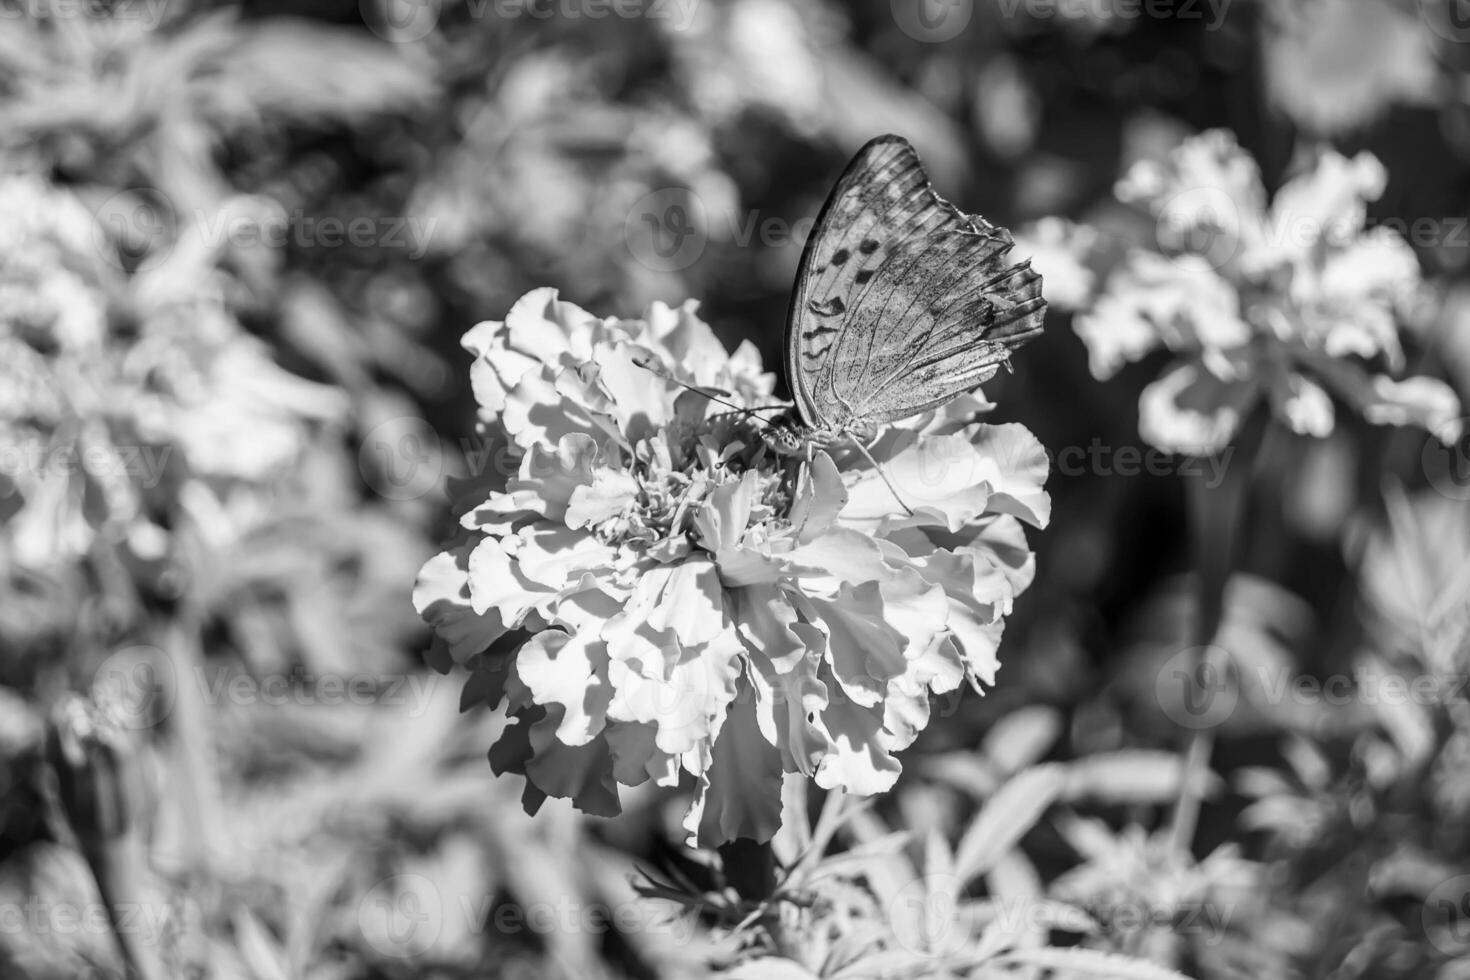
[
  {"x": 1217, "y": 525},
  {"x": 101, "y": 792}
]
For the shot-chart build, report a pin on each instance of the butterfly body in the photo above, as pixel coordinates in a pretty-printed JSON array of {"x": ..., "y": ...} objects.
[
  {"x": 790, "y": 436},
  {"x": 903, "y": 302}
]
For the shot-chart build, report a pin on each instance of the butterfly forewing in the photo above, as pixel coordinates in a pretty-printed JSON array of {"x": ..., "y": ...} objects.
[
  {"x": 843, "y": 254},
  {"x": 903, "y": 301}
]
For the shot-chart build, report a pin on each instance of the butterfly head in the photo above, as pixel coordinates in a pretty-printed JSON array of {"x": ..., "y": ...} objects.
[{"x": 788, "y": 435}]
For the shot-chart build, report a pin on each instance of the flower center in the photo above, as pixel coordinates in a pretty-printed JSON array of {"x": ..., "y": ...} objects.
[{"x": 678, "y": 467}]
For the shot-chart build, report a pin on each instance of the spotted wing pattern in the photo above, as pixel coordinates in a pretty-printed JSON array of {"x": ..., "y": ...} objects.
[{"x": 902, "y": 301}]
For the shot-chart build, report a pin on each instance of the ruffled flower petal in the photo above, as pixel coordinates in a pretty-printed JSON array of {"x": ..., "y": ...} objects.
[
  {"x": 496, "y": 582},
  {"x": 744, "y": 800},
  {"x": 857, "y": 761},
  {"x": 951, "y": 480},
  {"x": 1181, "y": 303},
  {"x": 703, "y": 609},
  {"x": 1304, "y": 405},
  {"x": 442, "y": 596},
  {"x": 1191, "y": 411},
  {"x": 1426, "y": 402},
  {"x": 569, "y": 670},
  {"x": 580, "y": 773}
]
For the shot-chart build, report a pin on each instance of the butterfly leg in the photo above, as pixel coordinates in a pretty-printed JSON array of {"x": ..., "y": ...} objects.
[{"x": 886, "y": 482}]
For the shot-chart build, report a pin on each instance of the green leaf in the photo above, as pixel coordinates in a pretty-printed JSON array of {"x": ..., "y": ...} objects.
[
  {"x": 1134, "y": 776},
  {"x": 1006, "y": 818},
  {"x": 1093, "y": 963},
  {"x": 1022, "y": 737},
  {"x": 855, "y": 858},
  {"x": 771, "y": 968}
]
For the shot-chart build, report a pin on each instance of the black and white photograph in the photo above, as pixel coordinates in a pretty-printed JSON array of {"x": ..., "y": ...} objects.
[{"x": 746, "y": 489}]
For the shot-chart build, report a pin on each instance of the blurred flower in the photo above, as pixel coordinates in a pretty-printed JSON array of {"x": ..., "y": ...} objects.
[
  {"x": 702, "y": 610},
  {"x": 93, "y": 419},
  {"x": 1150, "y": 896},
  {"x": 1294, "y": 303},
  {"x": 750, "y": 55},
  {"x": 1417, "y": 596},
  {"x": 1336, "y": 65},
  {"x": 1059, "y": 250}
]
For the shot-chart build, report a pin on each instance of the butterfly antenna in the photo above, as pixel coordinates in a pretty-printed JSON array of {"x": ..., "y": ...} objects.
[
  {"x": 886, "y": 482},
  {"x": 647, "y": 365}
]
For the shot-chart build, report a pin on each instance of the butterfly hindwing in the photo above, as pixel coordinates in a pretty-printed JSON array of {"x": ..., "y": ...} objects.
[{"x": 903, "y": 301}]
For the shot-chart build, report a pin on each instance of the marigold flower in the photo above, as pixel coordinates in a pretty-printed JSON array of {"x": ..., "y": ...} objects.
[
  {"x": 1292, "y": 303},
  {"x": 702, "y": 611}
]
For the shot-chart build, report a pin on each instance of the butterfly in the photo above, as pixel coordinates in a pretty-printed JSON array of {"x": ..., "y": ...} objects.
[{"x": 902, "y": 303}]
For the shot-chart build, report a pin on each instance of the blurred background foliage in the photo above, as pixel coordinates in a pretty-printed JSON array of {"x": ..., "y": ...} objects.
[{"x": 197, "y": 383}]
